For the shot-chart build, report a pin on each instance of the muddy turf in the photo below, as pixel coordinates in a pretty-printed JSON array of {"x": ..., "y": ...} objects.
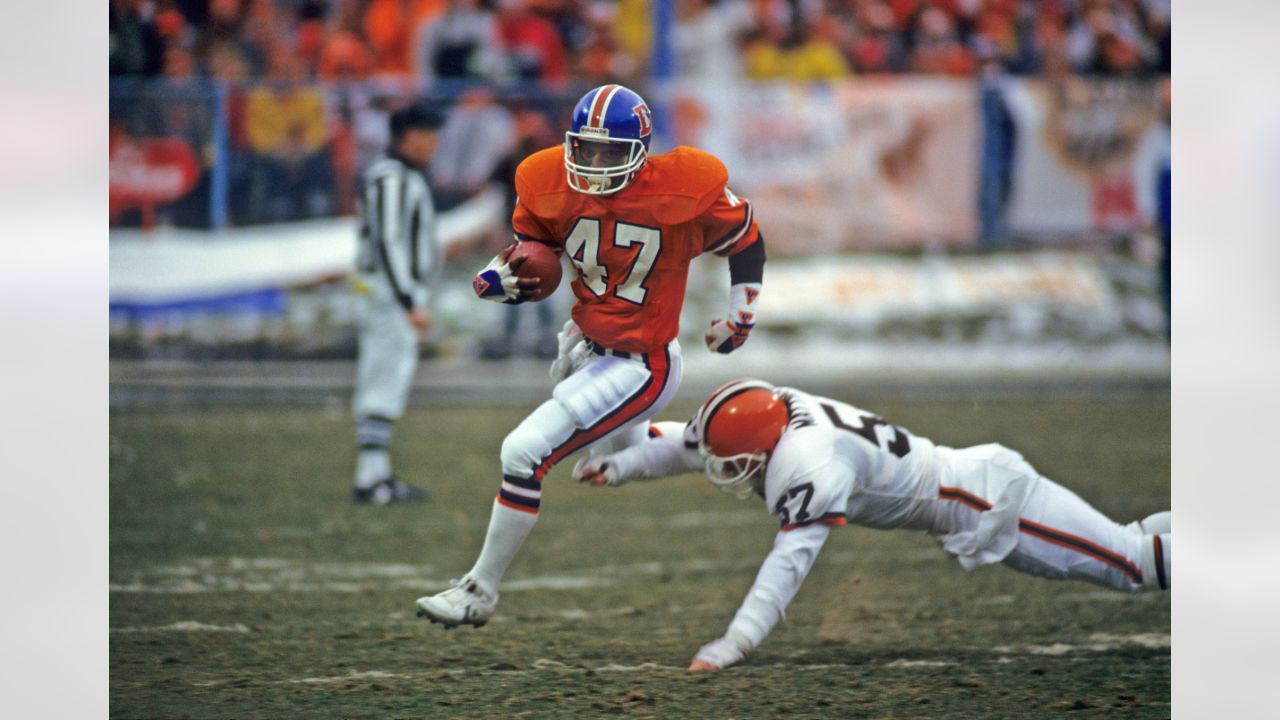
[{"x": 244, "y": 582}]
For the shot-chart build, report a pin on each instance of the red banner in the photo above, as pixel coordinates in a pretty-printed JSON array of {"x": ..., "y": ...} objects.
[{"x": 145, "y": 172}]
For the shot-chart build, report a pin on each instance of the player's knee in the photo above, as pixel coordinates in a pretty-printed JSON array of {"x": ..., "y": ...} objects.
[
  {"x": 1155, "y": 524},
  {"x": 523, "y": 450},
  {"x": 534, "y": 440},
  {"x": 1158, "y": 524}
]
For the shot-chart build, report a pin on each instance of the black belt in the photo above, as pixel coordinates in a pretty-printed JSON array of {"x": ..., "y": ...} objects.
[{"x": 599, "y": 349}]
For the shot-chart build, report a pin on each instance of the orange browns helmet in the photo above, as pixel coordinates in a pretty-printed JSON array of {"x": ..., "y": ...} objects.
[{"x": 738, "y": 427}]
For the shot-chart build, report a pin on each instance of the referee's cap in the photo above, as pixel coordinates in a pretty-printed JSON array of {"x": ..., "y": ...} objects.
[{"x": 418, "y": 115}]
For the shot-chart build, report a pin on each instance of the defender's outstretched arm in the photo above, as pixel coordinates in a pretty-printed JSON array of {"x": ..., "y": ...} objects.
[
  {"x": 779, "y": 579},
  {"x": 662, "y": 455}
]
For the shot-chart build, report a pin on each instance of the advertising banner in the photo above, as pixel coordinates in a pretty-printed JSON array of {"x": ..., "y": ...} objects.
[
  {"x": 870, "y": 290},
  {"x": 146, "y": 172},
  {"x": 1083, "y": 155},
  {"x": 872, "y": 163}
]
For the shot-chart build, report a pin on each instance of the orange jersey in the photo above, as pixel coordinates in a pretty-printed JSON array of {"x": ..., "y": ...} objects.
[{"x": 632, "y": 249}]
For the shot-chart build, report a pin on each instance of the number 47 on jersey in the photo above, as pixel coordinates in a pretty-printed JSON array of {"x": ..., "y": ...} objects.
[{"x": 583, "y": 248}]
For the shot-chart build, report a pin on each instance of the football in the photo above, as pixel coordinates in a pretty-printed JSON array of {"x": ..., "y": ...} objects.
[{"x": 540, "y": 261}]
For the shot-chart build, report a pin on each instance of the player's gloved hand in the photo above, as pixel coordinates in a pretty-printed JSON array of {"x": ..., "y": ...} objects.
[
  {"x": 498, "y": 281},
  {"x": 598, "y": 471},
  {"x": 718, "y": 654},
  {"x": 725, "y": 336},
  {"x": 568, "y": 340}
]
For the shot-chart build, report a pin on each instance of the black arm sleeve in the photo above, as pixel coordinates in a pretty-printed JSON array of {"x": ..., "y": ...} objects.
[{"x": 748, "y": 265}]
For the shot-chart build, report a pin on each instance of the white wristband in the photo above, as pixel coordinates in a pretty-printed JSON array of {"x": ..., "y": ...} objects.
[{"x": 743, "y": 301}]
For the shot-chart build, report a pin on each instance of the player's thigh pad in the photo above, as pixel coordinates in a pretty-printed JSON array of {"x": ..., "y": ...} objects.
[
  {"x": 600, "y": 388},
  {"x": 608, "y": 398}
]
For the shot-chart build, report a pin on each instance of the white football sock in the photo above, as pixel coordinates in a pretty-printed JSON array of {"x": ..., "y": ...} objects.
[
  {"x": 507, "y": 530},
  {"x": 1157, "y": 552},
  {"x": 373, "y": 461},
  {"x": 373, "y": 465}
]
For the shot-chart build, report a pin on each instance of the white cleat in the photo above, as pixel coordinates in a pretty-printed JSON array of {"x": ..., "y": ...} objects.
[{"x": 466, "y": 603}]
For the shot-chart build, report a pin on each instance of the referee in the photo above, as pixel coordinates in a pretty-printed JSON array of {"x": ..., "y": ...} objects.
[{"x": 397, "y": 262}]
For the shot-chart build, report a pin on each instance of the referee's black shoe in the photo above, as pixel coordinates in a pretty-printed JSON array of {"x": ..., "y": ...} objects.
[{"x": 390, "y": 491}]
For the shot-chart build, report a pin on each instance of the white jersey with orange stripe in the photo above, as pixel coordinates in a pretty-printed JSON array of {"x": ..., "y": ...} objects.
[{"x": 836, "y": 462}]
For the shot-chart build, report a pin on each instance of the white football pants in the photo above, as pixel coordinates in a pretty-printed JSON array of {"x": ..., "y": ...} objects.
[
  {"x": 993, "y": 506},
  {"x": 603, "y": 405},
  {"x": 1063, "y": 537}
]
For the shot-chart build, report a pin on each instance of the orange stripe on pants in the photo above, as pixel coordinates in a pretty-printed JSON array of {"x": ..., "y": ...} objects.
[{"x": 659, "y": 371}]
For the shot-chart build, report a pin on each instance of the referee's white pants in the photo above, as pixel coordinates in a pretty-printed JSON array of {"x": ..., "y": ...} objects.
[{"x": 387, "y": 357}]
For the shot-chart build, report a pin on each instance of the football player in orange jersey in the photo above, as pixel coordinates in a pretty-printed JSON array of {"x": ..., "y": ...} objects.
[{"x": 630, "y": 224}]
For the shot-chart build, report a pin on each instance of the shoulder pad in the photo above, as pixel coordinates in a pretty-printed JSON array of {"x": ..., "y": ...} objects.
[
  {"x": 540, "y": 181},
  {"x": 691, "y": 180},
  {"x": 799, "y": 452}
]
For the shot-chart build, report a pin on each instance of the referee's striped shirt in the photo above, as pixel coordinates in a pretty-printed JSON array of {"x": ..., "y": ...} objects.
[{"x": 398, "y": 242}]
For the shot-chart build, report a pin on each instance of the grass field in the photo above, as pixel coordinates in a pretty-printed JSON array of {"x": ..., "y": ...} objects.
[{"x": 246, "y": 584}]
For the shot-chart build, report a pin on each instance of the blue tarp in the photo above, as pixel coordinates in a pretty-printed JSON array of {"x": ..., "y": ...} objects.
[{"x": 271, "y": 301}]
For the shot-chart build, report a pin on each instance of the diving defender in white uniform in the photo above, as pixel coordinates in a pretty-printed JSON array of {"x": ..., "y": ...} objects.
[{"x": 820, "y": 463}]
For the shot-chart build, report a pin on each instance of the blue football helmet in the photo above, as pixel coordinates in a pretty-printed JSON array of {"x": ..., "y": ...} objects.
[{"x": 608, "y": 140}]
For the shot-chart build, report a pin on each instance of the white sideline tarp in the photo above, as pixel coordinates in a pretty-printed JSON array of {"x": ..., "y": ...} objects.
[{"x": 176, "y": 264}]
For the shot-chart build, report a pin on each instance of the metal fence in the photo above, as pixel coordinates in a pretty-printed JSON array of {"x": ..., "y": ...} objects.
[{"x": 207, "y": 154}]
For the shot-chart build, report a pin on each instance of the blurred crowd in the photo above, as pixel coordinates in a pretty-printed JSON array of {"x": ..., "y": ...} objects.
[
  {"x": 555, "y": 42},
  {"x": 825, "y": 39},
  {"x": 296, "y": 132},
  {"x": 547, "y": 41},
  {"x": 274, "y": 107}
]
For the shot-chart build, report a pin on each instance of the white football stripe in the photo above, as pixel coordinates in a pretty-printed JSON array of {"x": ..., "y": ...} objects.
[
  {"x": 522, "y": 492},
  {"x": 599, "y": 105},
  {"x": 184, "y": 626},
  {"x": 604, "y": 112},
  {"x": 746, "y": 225}
]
